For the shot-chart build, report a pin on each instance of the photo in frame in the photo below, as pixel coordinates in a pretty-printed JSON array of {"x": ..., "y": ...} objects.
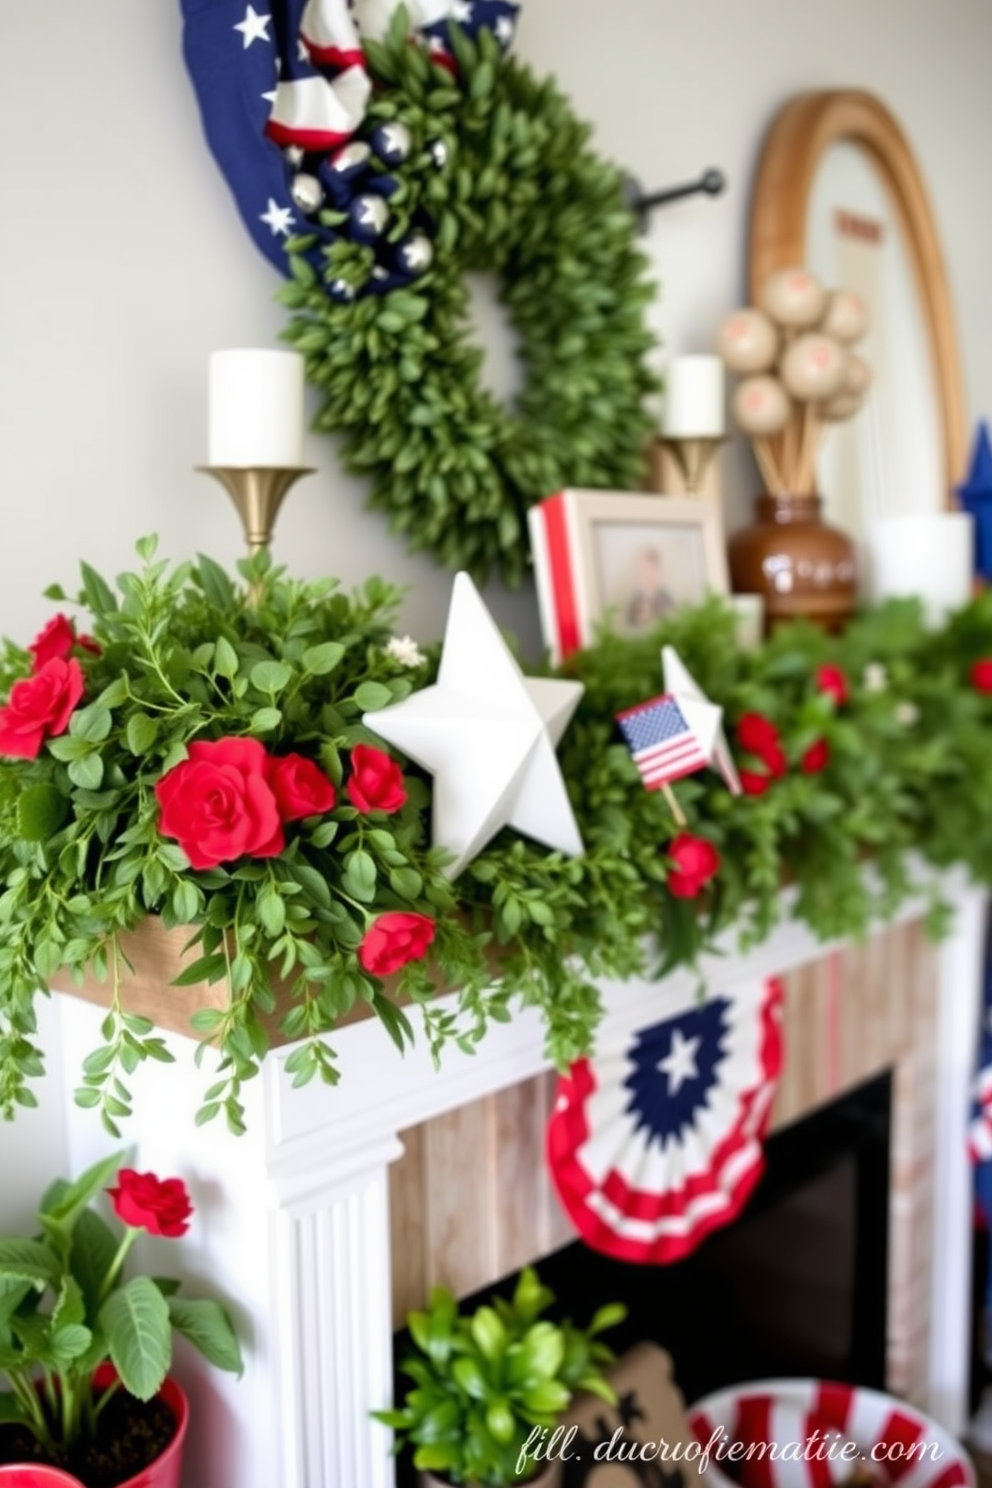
[{"x": 627, "y": 561}]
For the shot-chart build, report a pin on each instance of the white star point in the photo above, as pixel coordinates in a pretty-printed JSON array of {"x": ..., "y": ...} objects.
[
  {"x": 679, "y": 1064},
  {"x": 276, "y": 218},
  {"x": 254, "y": 27}
]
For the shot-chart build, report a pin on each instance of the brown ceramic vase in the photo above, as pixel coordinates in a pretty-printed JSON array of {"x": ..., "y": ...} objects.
[{"x": 799, "y": 565}]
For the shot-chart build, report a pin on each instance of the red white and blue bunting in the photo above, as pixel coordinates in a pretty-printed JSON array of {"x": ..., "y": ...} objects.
[
  {"x": 654, "y": 1145},
  {"x": 284, "y": 91}
]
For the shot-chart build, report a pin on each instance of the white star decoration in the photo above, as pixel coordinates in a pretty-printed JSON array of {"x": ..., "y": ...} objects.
[
  {"x": 487, "y": 733},
  {"x": 254, "y": 27},
  {"x": 278, "y": 219},
  {"x": 679, "y": 1064},
  {"x": 703, "y": 717}
]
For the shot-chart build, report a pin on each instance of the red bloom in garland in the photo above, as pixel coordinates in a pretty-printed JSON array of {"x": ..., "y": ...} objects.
[
  {"x": 981, "y": 674},
  {"x": 300, "y": 787},
  {"x": 393, "y": 940},
  {"x": 39, "y": 708},
  {"x": 376, "y": 782},
  {"x": 831, "y": 679},
  {"x": 219, "y": 805},
  {"x": 144, "y": 1202},
  {"x": 57, "y": 639},
  {"x": 816, "y": 758},
  {"x": 696, "y": 861},
  {"x": 758, "y": 735}
]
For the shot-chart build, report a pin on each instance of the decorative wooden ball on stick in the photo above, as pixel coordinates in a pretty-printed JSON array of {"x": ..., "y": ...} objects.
[{"x": 798, "y": 372}]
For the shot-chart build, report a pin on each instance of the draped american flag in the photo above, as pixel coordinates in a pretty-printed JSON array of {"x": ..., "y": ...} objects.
[{"x": 662, "y": 744}]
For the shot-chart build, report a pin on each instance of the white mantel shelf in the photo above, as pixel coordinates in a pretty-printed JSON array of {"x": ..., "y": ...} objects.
[{"x": 292, "y": 1220}]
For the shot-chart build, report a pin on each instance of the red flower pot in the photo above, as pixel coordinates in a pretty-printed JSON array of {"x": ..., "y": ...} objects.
[
  {"x": 166, "y": 1470},
  {"x": 25, "y": 1475}
]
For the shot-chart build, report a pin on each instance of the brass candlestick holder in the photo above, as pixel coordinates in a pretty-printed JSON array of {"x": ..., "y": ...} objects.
[
  {"x": 692, "y": 455},
  {"x": 257, "y": 492}
]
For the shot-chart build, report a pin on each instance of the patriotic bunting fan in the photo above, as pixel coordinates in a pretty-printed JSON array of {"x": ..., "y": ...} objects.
[
  {"x": 655, "y": 1144},
  {"x": 803, "y": 1420}
]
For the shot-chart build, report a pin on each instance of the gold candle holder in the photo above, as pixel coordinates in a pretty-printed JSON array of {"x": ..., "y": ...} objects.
[
  {"x": 692, "y": 455},
  {"x": 257, "y": 492}
]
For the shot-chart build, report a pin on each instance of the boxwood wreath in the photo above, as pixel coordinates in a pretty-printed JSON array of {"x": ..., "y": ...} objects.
[
  {"x": 502, "y": 176},
  {"x": 875, "y": 743}
]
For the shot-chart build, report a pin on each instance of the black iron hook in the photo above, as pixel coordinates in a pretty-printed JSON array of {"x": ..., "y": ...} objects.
[{"x": 711, "y": 182}]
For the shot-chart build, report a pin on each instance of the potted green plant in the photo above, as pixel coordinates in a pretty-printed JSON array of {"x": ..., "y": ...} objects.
[
  {"x": 490, "y": 1388},
  {"x": 85, "y": 1351}
]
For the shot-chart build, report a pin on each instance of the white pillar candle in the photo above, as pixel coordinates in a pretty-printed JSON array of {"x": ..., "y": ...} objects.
[
  {"x": 926, "y": 556},
  {"x": 256, "y": 408},
  {"x": 694, "y": 398}
]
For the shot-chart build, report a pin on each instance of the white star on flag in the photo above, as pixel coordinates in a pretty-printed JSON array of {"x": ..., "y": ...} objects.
[
  {"x": 461, "y": 11},
  {"x": 679, "y": 1064},
  {"x": 504, "y": 29},
  {"x": 278, "y": 219},
  {"x": 487, "y": 734},
  {"x": 254, "y": 27}
]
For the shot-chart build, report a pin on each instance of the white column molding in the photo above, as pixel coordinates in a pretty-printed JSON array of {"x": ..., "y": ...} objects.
[{"x": 958, "y": 1016}]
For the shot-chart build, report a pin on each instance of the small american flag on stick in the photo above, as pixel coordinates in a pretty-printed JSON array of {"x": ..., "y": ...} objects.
[{"x": 663, "y": 745}]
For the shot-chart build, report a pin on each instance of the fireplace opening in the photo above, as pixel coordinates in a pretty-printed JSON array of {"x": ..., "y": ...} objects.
[{"x": 796, "y": 1286}]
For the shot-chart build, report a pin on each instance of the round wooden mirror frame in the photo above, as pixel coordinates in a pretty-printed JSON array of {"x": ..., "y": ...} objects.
[{"x": 794, "y": 146}]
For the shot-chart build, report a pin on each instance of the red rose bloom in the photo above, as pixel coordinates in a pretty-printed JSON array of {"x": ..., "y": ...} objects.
[
  {"x": 981, "y": 674},
  {"x": 754, "y": 783},
  {"x": 758, "y": 735},
  {"x": 696, "y": 861},
  {"x": 832, "y": 680},
  {"x": 218, "y": 804},
  {"x": 159, "y": 1205},
  {"x": 300, "y": 787},
  {"x": 816, "y": 758},
  {"x": 394, "y": 939},
  {"x": 57, "y": 640},
  {"x": 376, "y": 782},
  {"x": 39, "y": 707}
]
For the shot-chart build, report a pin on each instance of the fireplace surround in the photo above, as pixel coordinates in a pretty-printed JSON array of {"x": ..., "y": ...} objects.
[{"x": 294, "y": 1220}]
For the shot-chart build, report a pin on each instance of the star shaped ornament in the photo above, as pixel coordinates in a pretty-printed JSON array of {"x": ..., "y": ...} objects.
[
  {"x": 487, "y": 734},
  {"x": 704, "y": 718}
]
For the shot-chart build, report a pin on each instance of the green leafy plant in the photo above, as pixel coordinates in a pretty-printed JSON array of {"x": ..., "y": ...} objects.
[
  {"x": 487, "y": 1387},
  {"x": 307, "y": 907},
  {"x": 66, "y": 1307},
  {"x": 505, "y": 172}
]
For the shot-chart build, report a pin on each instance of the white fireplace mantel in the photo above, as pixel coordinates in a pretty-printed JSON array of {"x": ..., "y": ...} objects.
[{"x": 292, "y": 1220}]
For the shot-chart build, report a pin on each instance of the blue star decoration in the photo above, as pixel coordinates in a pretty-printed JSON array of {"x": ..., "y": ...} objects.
[
  {"x": 975, "y": 496},
  {"x": 675, "y": 1066}
]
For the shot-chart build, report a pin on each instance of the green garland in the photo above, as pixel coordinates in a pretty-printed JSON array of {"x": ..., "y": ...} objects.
[
  {"x": 520, "y": 194},
  {"x": 187, "y": 655}
]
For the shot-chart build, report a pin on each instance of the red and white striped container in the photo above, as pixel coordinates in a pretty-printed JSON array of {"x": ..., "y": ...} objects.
[{"x": 886, "y": 1441}]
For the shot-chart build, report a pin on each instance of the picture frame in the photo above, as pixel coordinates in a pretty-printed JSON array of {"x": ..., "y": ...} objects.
[
  {"x": 624, "y": 559},
  {"x": 839, "y": 190}
]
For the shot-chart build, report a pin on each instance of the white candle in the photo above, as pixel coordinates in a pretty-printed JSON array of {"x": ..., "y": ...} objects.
[
  {"x": 694, "y": 398},
  {"x": 256, "y": 408},
  {"x": 927, "y": 556}
]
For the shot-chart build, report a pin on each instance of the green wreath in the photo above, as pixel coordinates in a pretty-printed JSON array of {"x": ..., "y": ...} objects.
[{"x": 503, "y": 172}]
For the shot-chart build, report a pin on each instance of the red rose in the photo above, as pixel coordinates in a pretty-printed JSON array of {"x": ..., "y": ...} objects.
[
  {"x": 159, "y": 1205},
  {"x": 394, "y": 939},
  {"x": 754, "y": 783},
  {"x": 758, "y": 735},
  {"x": 218, "y": 804},
  {"x": 57, "y": 640},
  {"x": 981, "y": 674},
  {"x": 300, "y": 787},
  {"x": 832, "y": 680},
  {"x": 696, "y": 861},
  {"x": 816, "y": 758},
  {"x": 39, "y": 707},
  {"x": 376, "y": 782}
]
